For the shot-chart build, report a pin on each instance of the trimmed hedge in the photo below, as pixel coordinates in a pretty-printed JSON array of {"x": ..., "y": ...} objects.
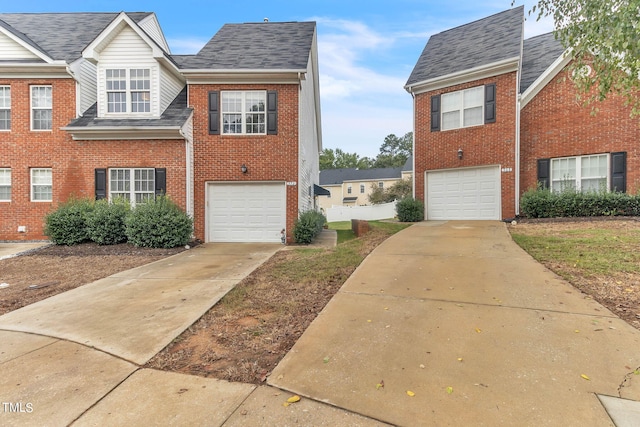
[
  {"x": 307, "y": 226},
  {"x": 543, "y": 203},
  {"x": 67, "y": 225},
  {"x": 158, "y": 223},
  {"x": 410, "y": 210},
  {"x": 106, "y": 223}
]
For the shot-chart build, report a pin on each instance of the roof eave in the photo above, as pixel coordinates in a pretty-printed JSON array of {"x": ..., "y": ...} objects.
[
  {"x": 222, "y": 76},
  {"x": 57, "y": 69},
  {"x": 94, "y": 133},
  {"x": 544, "y": 78},
  {"x": 477, "y": 73}
]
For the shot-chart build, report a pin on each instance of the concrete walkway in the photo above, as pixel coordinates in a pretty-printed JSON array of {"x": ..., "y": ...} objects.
[
  {"x": 445, "y": 323},
  {"x": 451, "y": 323}
]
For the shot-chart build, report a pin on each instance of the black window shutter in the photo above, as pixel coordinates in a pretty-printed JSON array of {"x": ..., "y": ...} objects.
[
  {"x": 435, "y": 113},
  {"x": 214, "y": 113},
  {"x": 272, "y": 112},
  {"x": 161, "y": 182},
  {"x": 544, "y": 172},
  {"x": 619, "y": 172},
  {"x": 101, "y": 183},
  {"x": 490, "y": 103}
]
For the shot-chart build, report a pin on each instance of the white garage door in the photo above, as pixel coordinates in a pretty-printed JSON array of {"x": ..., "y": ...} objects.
[
  {"x": 464, "y": 194},
  {"x": 246, "y": 212}
]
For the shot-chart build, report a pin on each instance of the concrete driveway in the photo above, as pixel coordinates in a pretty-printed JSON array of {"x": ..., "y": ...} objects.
[{"x": 451, "y": 323}]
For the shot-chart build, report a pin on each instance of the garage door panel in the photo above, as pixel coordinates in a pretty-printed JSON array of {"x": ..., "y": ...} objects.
[
  {"x": 246, "y": 212},
  {"x": 463, "y": 194}
]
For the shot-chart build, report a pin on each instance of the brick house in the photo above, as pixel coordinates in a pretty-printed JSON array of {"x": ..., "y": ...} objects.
[
  {"x": 94, "y": 105},
  {"x": 495, "y": 114}
]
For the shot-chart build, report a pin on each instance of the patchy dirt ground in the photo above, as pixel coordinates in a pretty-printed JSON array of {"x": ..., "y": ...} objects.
[
  {"x": 55, "y": 269},
  {"x": 618, "y": 291}
]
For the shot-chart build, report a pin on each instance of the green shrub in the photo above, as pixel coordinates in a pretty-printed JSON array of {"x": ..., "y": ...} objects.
[
  {"x": 410, "y": 210},
  {"x": 67, "y": 225},
  {"x": 543, "y": 203},
  {"x": 106, "y": 224},
  {"x": 308, "y": 225},
  {"x": 158, "y": 223}
]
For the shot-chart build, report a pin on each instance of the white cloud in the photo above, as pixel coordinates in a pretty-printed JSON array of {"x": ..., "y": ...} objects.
[{"x": 182, "y": 46}]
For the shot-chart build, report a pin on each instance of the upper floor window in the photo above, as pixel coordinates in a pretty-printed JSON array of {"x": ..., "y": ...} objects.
[
  {"x": 5, "y": 107},
  {"x": 361, "y": 188},
  {"x": 41, "y": 108},
  {"x": 244, "y": 112},
  {"x": 41, "y": 185},
  {"x": 381, "y": 184},
  {"x": 462, "y": 108},
  {"x": 128, "y": 90},
  {"x": 5, "y": 185},
  {"x": 349, "y": 189},
  {"x": 584, "y": 173},
  {"x": 134, "y": 185}
]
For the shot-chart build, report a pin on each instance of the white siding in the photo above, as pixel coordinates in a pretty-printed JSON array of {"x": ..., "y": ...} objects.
[
  {"x": 128, "y": 50},
  {"x": 170, "y": 87},
  {"x": 187, "y": 130},
  {"x": 308, "y": 170},
  {"x": 87, "y": 79},
  {"x": 9, "y": 49},
  {"x": 151, "y": 26}
]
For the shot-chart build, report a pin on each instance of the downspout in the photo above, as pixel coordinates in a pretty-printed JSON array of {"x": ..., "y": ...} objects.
[
  {"x": 517, "y": 139},
  {"x": 413, "y": 146}
]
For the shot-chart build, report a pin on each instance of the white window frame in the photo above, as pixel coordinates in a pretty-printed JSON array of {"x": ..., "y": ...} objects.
[
  {"x": 48, "y": 106},
  {"x": 130, "y": 79},
  {"x": 575, "y": 180},
  {"x": 37, "y": 182},
  {"x": 362, "y": 189},
  {"x": 5, "y": 108},
  {"x": 236, "y": 104},
  {"x": 132, "y": 184},
  {"x": 462, "y": 105},
  {"x": 381, "y": 184},
  {"x": 349, "y": 189},
  {"x": 5, "y": 182}
]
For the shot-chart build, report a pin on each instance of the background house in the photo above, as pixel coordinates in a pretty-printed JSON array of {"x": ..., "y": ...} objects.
[
  {"x": 352, "y": 186},
  {"x": 94, "y": 105},
  {"x": 495, "y": 114}
]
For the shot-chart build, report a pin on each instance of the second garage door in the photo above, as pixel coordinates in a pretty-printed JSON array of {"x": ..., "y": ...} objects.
[
  {"x": 246, "y": 212},
  {"x": 468, "y": 194}
]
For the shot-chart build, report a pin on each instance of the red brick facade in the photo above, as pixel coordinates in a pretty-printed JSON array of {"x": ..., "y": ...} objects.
[
  {"x": 488, "y": 144},
  {"x": 554, "y": 124},
  {"x": 267, "y": 157},
  {"x": 73, "y": 163}
]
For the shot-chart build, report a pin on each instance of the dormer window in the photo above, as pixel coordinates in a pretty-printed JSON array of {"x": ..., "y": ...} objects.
[{"x": 128, "y": 90}]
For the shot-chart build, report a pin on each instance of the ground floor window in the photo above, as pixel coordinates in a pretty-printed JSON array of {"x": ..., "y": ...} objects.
[
  {"x": 134, "y": 185},
  {"x": 5, "y": 185},
  {"x": 41, "y": 185},
  {"x": 581, "y": 173}
]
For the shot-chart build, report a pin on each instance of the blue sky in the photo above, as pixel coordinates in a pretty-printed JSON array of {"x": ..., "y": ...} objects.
[{"x": 367, "y": 49}]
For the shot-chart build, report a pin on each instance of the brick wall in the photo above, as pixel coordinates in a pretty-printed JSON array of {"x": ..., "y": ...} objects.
[
  {"x": 268, "y": 157},
  {"x": 489, "y": 144},
  {"x": 72, "y": 162},
  {"x": 555, "y": 124}
]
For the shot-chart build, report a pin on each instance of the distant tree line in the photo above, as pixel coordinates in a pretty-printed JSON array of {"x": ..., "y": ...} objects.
[{"x": 394, "y": 152}]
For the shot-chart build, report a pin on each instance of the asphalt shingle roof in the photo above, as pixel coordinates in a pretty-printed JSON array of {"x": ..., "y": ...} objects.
[
  {"x": 176, "y": 114},
  {"x": 62, "y": 36},
  {"x": 539, "y": 54},
  {"x": 338, "y": 176},
  {"x": 255, "y": 46},
  {"x": 478, "y": 43}
]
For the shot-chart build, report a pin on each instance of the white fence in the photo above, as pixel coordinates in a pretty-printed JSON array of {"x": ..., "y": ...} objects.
[{"x": 347, "y": 213}]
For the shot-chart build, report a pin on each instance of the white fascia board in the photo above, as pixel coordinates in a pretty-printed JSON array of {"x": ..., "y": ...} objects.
[
  {"x": 36, "y": 52},
  {"x": 558, "y": 65},
  {"x": 92, "y": 51},
  {"x": 54, "y": 70},
  {"x": 154, "y": 18},
  {"x": 465, "y": 76},
  {"x": 313, "y": 59},
  {"x": 244, "y": 76},
  {"x": 124, "y": 132}
]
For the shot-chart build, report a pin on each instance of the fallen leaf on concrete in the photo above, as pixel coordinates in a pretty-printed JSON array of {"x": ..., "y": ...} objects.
[
  {"x": 449, "y": 389},
  {"x": 585, "y": 377},
  {"x": 380, "y": 385},
  {"x": 459, "y": 359},
  {"x": 293, "y": 399},
  {"x": 325, "y": 360},
  {"x": 478, "y": 330},
  {"x": 421, "y": 366},
  {"x": 410, "y": 393}
]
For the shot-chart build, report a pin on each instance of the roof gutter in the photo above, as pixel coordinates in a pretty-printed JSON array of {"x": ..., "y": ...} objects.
[
  {"x": 465, "y": 76},
  {"x": 18, "y": 70},
  {"x": 248, "y": 76},
  {"x": 111, "y": 133}
]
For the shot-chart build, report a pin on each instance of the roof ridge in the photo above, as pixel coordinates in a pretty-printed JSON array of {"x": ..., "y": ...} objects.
[{"x": 481, "y": 19}]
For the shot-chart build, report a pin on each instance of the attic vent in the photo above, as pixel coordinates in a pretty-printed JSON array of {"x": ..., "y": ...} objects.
[{"x": 265, "y": 19}]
